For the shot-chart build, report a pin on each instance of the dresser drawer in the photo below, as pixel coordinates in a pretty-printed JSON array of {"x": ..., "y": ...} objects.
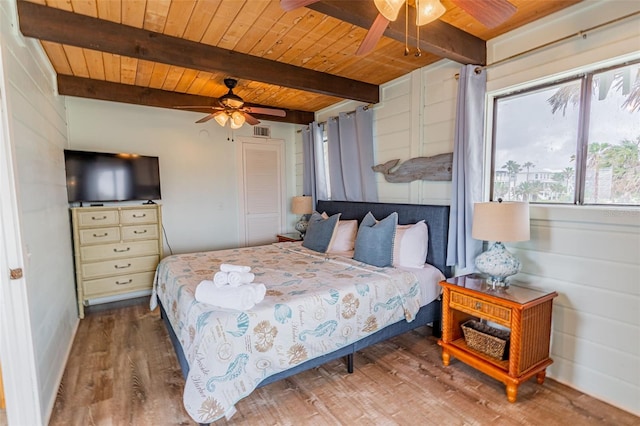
[
  {"x": 119, "y": 266},
  {"x": 97, "y": 218},
  {"x": 99, "y": 235},
  {"x": 139, "y": 232},
  {"x": 472, "y": 305},
  {"x": 119, "y": 250},
  {"x": 118, "y": 284},
  {"x": 133, "y": 216}
]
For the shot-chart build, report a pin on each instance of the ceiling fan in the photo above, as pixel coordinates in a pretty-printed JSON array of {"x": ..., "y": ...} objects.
[
  {"x": 490, "y": 13},
  {"x": 233, "y": 110}
]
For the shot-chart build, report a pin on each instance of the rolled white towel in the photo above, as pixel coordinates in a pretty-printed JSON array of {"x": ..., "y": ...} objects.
[
  {"x": 227, "y": 267},
  {"x": 259, "y": 291},
  {"x": 221, "y": 279},
  {"x": 239, "y": 278},
  {"x": 238, "y": 298}
]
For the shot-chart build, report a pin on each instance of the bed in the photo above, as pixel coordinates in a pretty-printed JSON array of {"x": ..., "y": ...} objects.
[{"x": 318, "y": 307}]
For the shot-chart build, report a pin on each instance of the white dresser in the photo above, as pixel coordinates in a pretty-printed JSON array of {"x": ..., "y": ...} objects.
[{"x": 116, "y": 250}]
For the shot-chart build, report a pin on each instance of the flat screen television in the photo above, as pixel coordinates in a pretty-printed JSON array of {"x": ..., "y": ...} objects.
[{"x": 99, "y": 176}]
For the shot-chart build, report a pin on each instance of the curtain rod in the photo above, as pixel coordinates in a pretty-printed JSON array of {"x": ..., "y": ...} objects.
[
  {"x": 366, "y": 107},
  {"x": 582, "y": 33}
]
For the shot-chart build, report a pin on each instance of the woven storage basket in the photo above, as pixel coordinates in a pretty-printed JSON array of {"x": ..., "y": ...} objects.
[{"x": 486, "y": 339}]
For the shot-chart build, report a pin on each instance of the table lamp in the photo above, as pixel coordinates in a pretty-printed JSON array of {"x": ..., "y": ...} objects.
[
  {"x": 500, "y": 222},
  {"x": 302, "y": 205}
]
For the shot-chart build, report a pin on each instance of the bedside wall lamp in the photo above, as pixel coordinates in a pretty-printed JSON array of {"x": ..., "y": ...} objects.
[
  {"x": 302, "y": 205},
  {"x": 500, "y": 222}
]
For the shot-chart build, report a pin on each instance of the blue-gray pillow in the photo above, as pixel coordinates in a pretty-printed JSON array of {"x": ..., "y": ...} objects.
[
  {"x": 374, "y": 242},
  {"x": 320, "y": 232}
]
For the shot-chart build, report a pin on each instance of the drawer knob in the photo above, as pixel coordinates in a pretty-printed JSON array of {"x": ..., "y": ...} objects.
[
  {"x": 137, "y": 216},
  {"x": 478, "y": 305},
  {"x": 122, "y": 267},
  {"x": 100, "y": 235},
  {"x": 121, "y": 251},
  {"x": 129, "y": 281},
  {"x": 98, "y": 218},
  {"x": 140, "y": 232}
]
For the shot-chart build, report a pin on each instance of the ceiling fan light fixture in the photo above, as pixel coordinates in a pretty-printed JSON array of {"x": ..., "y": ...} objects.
[
  {"x": 237, "y": 120},
  {"x": 221, "y": 118},
  {"x": 389, "y": 8},
  {"x": 428, "y": 11}
]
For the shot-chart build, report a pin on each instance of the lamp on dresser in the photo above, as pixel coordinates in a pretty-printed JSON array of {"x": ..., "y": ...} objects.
[
  {"x": 302, "y": 205},
  {"x": 500, "y": 222}
]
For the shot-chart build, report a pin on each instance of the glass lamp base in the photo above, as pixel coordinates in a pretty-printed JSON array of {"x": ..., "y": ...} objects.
[
  {"x": 301, "y": 226},
  {"x": 499, "y": 264}
]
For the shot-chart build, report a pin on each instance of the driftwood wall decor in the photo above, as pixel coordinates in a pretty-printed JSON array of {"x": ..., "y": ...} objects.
[{"x": 437, "y": 167}]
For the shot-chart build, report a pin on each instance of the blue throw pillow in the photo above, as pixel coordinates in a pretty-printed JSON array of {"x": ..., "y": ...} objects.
[
  {"x": 320, "y": 232},
  {"x": 374, "y": 242}
]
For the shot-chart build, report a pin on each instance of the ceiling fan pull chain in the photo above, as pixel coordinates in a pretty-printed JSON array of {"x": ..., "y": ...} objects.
[{"x": 406, "y": 28}]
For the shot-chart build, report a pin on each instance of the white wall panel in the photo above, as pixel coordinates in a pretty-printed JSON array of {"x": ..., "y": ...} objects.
[
  {"x": 572, "y": 321},
  {"x": 37, "y": 132}
]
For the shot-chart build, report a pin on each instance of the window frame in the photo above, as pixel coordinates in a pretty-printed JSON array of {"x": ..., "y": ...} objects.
[{"x": 585, "y": 78}]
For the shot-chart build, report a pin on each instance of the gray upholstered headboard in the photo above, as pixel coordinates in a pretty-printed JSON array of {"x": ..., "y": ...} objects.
[{"x": 436, "y": 218}]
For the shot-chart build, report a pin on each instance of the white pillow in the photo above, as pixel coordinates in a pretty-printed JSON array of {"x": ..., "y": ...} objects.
[
  {"x": 410, "y": 245},
  {"x": 345, "y": 238}
]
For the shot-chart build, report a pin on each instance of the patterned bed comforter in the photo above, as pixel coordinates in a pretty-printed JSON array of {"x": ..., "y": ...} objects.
[{"x": 314, "y": 305}]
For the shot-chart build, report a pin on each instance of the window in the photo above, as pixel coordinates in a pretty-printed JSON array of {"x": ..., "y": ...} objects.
[{"x": 573, "y": 141}]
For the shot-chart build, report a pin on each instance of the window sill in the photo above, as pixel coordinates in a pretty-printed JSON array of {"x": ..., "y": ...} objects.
[{"x": 613, "y": 215}]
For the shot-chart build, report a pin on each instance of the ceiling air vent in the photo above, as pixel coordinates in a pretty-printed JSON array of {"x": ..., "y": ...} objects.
[{"x": 262, "y": 131}]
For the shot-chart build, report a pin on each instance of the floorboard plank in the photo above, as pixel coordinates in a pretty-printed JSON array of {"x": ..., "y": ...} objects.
[{"x": 122, "y": 371}]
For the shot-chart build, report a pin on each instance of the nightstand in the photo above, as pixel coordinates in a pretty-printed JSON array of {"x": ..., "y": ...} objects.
[
  {"x": 292, "y": 236},
  {"x": 526, "y": 312}
]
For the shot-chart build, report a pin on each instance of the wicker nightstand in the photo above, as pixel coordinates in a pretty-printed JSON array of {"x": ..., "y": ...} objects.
[
  {"x": 526, "y": 312},
  {"x": 292, "y": 236}
]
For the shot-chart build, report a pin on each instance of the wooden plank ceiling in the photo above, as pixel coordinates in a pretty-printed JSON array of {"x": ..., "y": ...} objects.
[{"x": 170, "y": 53}]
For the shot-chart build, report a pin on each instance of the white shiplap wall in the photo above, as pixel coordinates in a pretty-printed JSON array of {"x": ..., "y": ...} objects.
[
  {"x": 37, "y": 133},
  {"x": 440, "y": 91}
]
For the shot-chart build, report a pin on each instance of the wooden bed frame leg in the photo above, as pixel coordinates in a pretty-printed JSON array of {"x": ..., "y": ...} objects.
[{"x": 350, "y": 363}]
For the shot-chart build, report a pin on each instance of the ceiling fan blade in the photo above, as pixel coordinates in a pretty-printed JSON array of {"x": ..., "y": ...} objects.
[
  {"x": 490, "y": 13},
  {"x": 289, "y": 5},
  {"x": 373, "y": 36},
  {"x": 207, "y": 118},
  {"x": 251, "y": 119},
  {"x": 197, "y": 107},
  {"x": 266, "y": 111}
]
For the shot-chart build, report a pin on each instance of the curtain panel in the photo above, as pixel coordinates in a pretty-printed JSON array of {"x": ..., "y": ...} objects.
[
  {"x": 467, "y": 168},
  {"x": 350, "y": 152},
  {"x": 314, "y": 179}
]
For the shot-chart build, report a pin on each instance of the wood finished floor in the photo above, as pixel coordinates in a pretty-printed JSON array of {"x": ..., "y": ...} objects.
[{"x": 123, "y": 371}]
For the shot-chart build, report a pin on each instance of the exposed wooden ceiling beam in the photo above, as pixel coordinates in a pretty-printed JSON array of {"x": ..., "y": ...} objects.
[
  {"x": 56, "y": 25},
  {"x": 116, "y": 92},
  {"x": 438, "y": 37}
]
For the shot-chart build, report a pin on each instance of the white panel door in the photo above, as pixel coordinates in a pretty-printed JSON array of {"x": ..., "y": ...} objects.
[{"x": 262, "y": 212}]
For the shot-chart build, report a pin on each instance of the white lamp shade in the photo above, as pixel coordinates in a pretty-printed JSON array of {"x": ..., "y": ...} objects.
[
  {"x": 302, "y": 205},
  {"x": 428, "y": 11},
  {"x": 221, "y": 118},
  {"x": 237, "y": 120},
  {"x": 501, "y": 221},
  {"x": 389, "y": 8}
]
